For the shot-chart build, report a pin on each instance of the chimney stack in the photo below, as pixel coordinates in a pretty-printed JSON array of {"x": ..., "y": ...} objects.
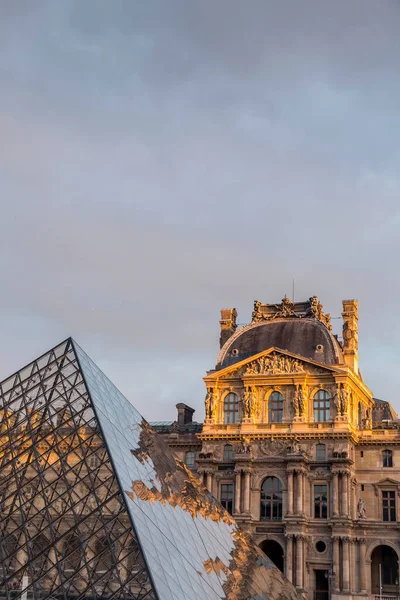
[
  {"x": 185, "y": 414},
  {"x": 228, "y": 324},
  {"x": 350, "y": 333}
]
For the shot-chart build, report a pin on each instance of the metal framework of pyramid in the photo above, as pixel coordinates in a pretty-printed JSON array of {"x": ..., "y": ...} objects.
[{"x": 93, "y": 504}]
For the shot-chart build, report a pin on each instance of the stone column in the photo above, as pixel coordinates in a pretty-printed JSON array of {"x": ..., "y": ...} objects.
[
  {"x": 353, "y": 565},
  {"x": 335, "y": 494},
  {"x": 299, "y": 561},
  {"x": 346, "y": 565},
  {"x": 363, "y": 565},
  {"x": 237, "y": 491},
  {"x": 299, "y": 478},
  {"x": 210, "y": 481},
  {"x": 336, "y": 565},
  {"x": 290, "y": 493},
  {"x": 345, "y": 495},
  {"x": 303, "y": 507},
  {"x": 311, "y": 511},
  {"x": 289, "y": 558},
  {"x": 246, "y": 500}
]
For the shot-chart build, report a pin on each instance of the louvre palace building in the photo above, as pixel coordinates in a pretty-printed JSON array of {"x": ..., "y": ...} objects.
[{"x": 295, "y": 446}]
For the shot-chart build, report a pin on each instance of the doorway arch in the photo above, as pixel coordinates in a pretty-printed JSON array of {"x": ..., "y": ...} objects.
[
  {"x": 384, "y": 560},
  {"x": 274, "y": 551}
]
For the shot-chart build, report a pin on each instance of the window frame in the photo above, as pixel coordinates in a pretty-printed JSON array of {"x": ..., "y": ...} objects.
[
  {"x": 387, "y": 457},
  {"x": 391, "y": 507},
  {"x": 320, "y": 458},
  {"x": 275, "y": 407},
  {"x": 226, "y": 457},
  {"x": 225, "y": 501},
  {"x": 320, "y": 504},
  {"x": 270, "y": 505},
  {"x": 194, "y": 458},
  {"x": 231, "y": 415},
  {"x": 322, "y": 406}
]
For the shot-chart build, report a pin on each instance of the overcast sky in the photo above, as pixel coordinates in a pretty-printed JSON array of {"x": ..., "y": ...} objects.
[{"x": 160, "y": 160}]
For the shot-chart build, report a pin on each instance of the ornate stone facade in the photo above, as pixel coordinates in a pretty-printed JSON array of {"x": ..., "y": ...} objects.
[{"x": 296, "y": 439}]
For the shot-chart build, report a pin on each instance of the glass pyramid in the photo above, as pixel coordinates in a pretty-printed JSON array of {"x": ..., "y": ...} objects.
[{"x": 93, "y": 504}]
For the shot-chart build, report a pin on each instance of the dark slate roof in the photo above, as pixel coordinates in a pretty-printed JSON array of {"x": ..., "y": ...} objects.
[
  {"x": 299, "y": 336},
  {"x": 382, "y": 411},
  {"x": 172, "y": 427}
]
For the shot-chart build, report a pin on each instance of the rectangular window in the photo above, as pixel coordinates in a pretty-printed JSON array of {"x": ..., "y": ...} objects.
[
  {"x": 387, "y": 458},
  {"x": 362, "y": 487},
  {"x": 227, "y": 496},
  {"x": 389, "y": 506},
  {"x": 321, "y": 501},
  {"x": 362, "y": 454}
]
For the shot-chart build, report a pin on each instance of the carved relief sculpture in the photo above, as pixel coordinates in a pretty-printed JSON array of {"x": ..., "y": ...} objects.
[{"x": 275, "y": 364}]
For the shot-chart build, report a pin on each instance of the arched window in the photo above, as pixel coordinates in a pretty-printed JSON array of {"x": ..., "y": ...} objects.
[
  {"x": 275, "y": 407},
  {"x": 271, "y": 499},
  {"x": 228, "y": 452},
  {"x": 189, "y": 459},
  {"x": 231, "y": 408},
  {"x": 320, "y": 452},
  {"x": 387, "y": 458},
  {"x": 322, "y": 406}
]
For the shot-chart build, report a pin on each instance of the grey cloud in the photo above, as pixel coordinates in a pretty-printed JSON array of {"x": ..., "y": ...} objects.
[{"x": 161, "y": 160}]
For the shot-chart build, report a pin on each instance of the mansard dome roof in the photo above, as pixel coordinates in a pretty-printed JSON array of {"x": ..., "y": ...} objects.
[{"x": 306, "y": 337}]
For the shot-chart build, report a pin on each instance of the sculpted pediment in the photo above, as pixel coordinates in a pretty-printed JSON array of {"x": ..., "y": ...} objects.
[{"x": 275, "y": 362}]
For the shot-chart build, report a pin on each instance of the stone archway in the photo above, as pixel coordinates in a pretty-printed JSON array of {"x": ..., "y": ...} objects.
[
  {"x": 385, "y": 570},
  {"x": 274, "y": 551}
]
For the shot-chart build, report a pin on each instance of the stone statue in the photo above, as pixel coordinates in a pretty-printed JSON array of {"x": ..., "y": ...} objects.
[
  {"x": 247, "y": 400},
  {"x": 257, "y": 312},
  {"x": 294, "y": 447},
  {"x": 255, "y": 404},
  {"x": 296, "y": 402},
  {"x": 343, "y": 395},
  {"x": 208, "y": 404},
  {"x": 211, "y": 403},
  {"x": 361, "y": 509},
  {"x": 302, "y": 399}
]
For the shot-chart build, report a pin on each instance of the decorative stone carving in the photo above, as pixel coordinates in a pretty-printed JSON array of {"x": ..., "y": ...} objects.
[
  {"x": 350, "y": 326},
  {"x": 300, "y": 400},
  {"x": 274, "y": 364},
  {"x": 207, "y": 404},
  {"x": 243, "y": 448},
  {"x": 288, "y": 309},
  {"x": 257, "y": 314},
  {"x": 211, "y": 403},
  {"x": 361, "y": 509},
  {"x": 342, "y": 399},
  {"x": 273, "y": 447},
  {"x": 251, "y": 403},
  {"x": 247, "y": 402}
]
